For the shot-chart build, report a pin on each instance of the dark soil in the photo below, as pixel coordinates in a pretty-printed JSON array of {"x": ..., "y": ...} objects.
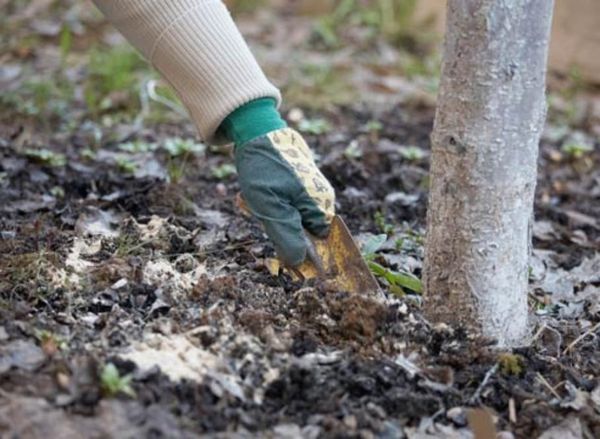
[{"x": 100, "y": 265}]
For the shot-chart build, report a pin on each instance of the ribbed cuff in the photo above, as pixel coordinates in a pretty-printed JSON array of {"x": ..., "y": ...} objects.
[
  {"x": 252, "y": 120},
  {"x": 198, "y": 49}
]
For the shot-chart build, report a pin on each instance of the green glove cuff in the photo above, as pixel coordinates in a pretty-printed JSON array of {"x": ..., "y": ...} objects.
[{"x": 252, "y": 120}]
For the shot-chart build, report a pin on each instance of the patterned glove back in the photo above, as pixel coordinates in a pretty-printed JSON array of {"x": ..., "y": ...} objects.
[{"x": 285, "y": 190}]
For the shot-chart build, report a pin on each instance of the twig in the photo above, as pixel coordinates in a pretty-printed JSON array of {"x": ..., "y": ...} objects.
[
  {"x": 512, "y": 411},
  {"x": 581, "y": 337},
  {"x": 545, "y": 382},
  {"x": 486, "y": 378},
  {"x": 151, "y": 86}
]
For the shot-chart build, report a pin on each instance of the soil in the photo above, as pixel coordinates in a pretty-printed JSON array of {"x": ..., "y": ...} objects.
[{"x": 169, "y": 283}]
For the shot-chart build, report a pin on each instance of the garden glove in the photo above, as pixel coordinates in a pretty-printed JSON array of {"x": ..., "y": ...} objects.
[{"x": 279, "y": 179}]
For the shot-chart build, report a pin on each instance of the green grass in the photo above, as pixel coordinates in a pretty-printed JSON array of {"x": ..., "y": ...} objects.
[
  {"x": 46, "y": 99},
  {"x": 317, "y": 86},
  {"x": 390, "y": 19},
  {"x": 115, "y": 69}
]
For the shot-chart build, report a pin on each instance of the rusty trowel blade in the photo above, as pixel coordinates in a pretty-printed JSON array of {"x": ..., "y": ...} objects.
[{"x": 337, "y": 260}]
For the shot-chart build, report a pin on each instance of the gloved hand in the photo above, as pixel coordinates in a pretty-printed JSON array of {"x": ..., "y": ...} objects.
[{"x": 285, "y": 190}]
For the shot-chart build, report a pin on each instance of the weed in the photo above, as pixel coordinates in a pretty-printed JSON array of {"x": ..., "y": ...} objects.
[
  {"x": 57, "y": 192},
  {"x": 353, "y": 151},
  {"x": 180, "y": 151},
  {"x": 115, "y": 69},
  {"x": 46, "y": 157},
  {"x": 373, "y": 126},
  {"x": 176, "y": 146},
  {"x": 370, "y": 247},
  {"x": 510, "y": 364},
  {"x": 412, "y": 153},
  {"x": 138, "y": 146},
  {"x": 184, "y": 206},
  {"x": 88, "y": 154},
  {"x": 410, "y": 241},
  {"x": 113, "y": 383},
  {"x": 397, "y": 281},
  {"x": 576, "y": 146},
  {"x": 223, "y": 171},
  {"x": 314, "y": 126},
  {"x": 65, "y": 43},
  {"x": 382, "y": 224},
  {"x": 29, "y": 272},
  {"x": 126, "y": 245},
  {"x": 50, "y": 342},
  {"x": 125, "y": 165}
]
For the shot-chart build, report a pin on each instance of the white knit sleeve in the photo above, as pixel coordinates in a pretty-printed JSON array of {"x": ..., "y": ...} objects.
[{"x": 197, "y": 48}]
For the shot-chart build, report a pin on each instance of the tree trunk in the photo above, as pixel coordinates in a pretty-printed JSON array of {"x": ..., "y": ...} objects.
[{"x": 490, "y": 114}]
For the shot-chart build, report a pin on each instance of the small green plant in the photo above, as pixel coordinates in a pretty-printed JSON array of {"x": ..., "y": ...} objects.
[
  {"x": 30, "y": 272},
  {"x": 370, "y": 247},
  {"x": 314, "y": 126},
  {"x": 180, "y": 151},
  {"x": 373, "y": 126},
  {"x": 88, "y": 154},
  {"x": 50, "y": 342},
  {"x": 576, "y": 147},
  {"x": 223, "y": 171},
  {"x": 397, "y": 281},
  {"x": 353, "y": 151},
  {"x": 65, "y": 43},
  {"x": 127, "y": 245},
  {"x": 382, "y": 224},
  {"x": 412, "y": 153},
  {"x": 46, "y": 157},
  {"x": 510, "y": 364},
  {"x": 126, "y": 165},
  {"x": 110, "y": 70},
  {"x": 138, "y": 146},
  {"x": 113, "y": 383},
  {"x": 57, "y": 192},
  {"x": 176, "y": 147}
]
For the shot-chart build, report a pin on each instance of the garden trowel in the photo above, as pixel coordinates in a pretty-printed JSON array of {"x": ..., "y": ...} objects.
[{"x": 336, "y": 260}]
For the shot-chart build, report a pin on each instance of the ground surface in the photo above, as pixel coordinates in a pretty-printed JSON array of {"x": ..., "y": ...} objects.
[{"x": 121, "y": 247}]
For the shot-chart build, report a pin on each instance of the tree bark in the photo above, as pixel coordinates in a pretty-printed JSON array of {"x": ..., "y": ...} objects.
[{"x": 490, "y": 114}]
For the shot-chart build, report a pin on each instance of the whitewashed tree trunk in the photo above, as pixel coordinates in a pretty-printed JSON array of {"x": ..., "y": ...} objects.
[{"x": 490, "y": 113}]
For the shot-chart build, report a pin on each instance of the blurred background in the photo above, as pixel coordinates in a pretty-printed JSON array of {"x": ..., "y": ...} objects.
[{"x": 62, "y": 63}]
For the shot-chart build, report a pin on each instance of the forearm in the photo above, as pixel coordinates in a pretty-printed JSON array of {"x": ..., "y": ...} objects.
[{"x": 198, "y": 49}]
